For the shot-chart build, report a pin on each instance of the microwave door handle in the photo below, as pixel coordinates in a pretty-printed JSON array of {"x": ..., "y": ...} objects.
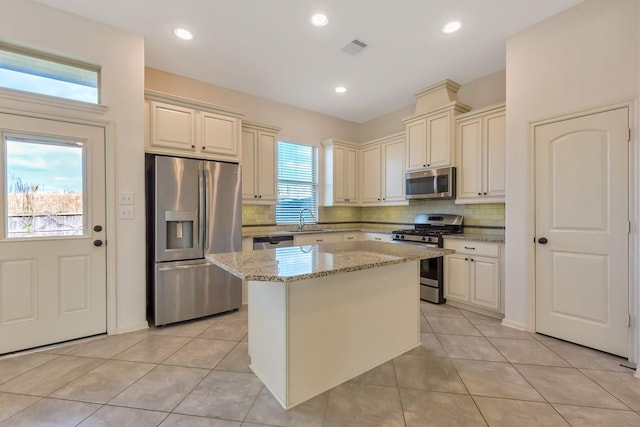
[{"x": 435, "y": 184}]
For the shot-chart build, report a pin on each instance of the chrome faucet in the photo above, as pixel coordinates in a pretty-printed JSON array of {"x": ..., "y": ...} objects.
[{"x": 301, "y": 220}]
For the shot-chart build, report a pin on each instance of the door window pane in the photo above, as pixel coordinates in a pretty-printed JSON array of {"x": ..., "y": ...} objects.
[{"x": 44, "y": 187}]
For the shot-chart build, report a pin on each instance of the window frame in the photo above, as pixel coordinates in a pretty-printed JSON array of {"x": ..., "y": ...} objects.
[
  {"x": 55, "y": 59},
  {"x": 283, "y": 218}
]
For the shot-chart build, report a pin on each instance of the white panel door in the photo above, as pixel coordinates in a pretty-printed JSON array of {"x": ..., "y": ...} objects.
[
  {"x": 470, "y": 167},
  {"x": 267, "y": 162},
  {"x": 439, "y": 140},
  {"x": 52, "y": 229},
  {"x": 582, "y": 213},
  {"x": 249, "y": 161}
]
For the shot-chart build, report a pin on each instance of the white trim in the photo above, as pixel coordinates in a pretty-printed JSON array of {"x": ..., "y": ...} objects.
[
  {"x": 634, "y": 217},
  {"x": 132, "y": 328},
  {"x": 514, "y": 325},
  {"x": 110, "y": 206},
  {"x": 51, "y": 101}
]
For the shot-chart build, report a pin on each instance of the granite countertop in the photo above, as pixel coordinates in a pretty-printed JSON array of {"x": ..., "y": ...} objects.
[
  {"x": 251, "y": 233},
  {"x": 305, "y": 262},
  {"x": 493, "y": 238}
]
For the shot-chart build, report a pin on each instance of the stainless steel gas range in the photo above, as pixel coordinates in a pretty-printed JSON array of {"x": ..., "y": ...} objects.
[{"x": 428, "y": 230}]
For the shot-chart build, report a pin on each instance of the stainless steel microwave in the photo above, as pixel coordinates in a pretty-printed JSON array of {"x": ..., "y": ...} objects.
[{"x": 431, "y": 184}]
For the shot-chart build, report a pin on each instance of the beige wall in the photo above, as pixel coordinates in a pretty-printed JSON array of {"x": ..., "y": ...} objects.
[
  {"x": 297, "y": 125},
  {"x": 479, "y": 93},
  {"x": 583, "y": 58},
  {"x": 121, "y": 57}
]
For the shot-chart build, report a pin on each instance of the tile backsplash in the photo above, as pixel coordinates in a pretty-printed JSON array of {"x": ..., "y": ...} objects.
[{"x": 483, "y": 215}]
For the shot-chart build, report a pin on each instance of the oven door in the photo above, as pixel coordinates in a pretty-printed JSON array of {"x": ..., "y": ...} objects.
[{"x": 431, "y": 280}]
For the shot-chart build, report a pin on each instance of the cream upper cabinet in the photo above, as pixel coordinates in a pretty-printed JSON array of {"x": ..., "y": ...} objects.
[
  {"x": 181, "y": 126},
  {"x": 340, "y": 173},
  {"x": 430, "y": 142},
  {"x": 259, "y": 164},
  {"x": 382, "y": 178},
  {"x": 371, "y": 175},
  {"x": 481, "y": 148}
]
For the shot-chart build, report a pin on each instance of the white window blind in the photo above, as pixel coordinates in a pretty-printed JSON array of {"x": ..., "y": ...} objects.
[{"x": 297, "y": 182}]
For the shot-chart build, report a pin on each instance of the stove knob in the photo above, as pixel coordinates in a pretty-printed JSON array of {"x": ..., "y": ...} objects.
[
  {"x": 402, "y": 237},
  {"x": 424, "y": 238}
]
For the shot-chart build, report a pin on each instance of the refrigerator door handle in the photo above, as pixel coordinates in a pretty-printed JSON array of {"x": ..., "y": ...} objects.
[{"x": 203, "y": 208}]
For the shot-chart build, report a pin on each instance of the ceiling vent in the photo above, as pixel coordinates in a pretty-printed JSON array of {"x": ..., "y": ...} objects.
[{"x": 354, "y": 47}]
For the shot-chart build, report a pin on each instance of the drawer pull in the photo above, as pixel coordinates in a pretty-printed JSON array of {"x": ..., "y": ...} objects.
[
  {"x": 319, "y": 240},
  {"x": 468, "y": 247},
  {"x": 377, "y": 238}
]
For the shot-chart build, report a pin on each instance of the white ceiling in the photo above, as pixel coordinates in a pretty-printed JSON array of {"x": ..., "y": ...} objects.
[{"x": 268, "y": 48}]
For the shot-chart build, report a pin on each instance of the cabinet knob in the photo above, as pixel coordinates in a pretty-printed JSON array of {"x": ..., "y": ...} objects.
[
  {"x": 424, "y": 166},
  {"x": 384, "y": 198},
  {"x": 260, "y": 196},
  {"x": 203, "y": 147},
  {"x": 378, "y": 198},
  {"x": 466, "y": 259},
  {"x": 193, "y": 146},
  {"x": 479, "y": 194},
  {"x": 255, "y": 196},
  {"x": 428, "y": 164},
  {"x": 542, "y": 240},
  {"x": 485, "y": 194},
  {"x": 471, "y": 259}
]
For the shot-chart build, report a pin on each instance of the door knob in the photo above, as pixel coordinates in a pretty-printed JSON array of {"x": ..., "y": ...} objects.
[
  {"x": 97, "y": 228},
  {"x": 542, "y": 240},
  {"x": 97, "y": 243}
]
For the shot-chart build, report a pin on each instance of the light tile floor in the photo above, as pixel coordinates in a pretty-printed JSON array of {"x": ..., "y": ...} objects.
[{"x": 469, "y": 371}]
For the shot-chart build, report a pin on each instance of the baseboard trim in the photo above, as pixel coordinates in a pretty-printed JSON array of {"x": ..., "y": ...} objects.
[
  {"x": 514, "y": 325},
  {"x": 132, "y": 328}
]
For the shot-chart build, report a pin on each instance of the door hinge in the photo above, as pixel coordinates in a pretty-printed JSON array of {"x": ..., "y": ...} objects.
[
  {"x": 628, "y": 227},
  {"x": 629, "y": 322},
  {"x": 628, "y": 134}
]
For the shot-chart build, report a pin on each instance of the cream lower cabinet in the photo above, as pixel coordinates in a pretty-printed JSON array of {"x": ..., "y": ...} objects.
[
  {"x": 185, "y": 127},
  {"x": 382, "y": 177},
  {"x": 473, "y": 276},
  {"x": 317, "y": 238},
  {"x": 259, "y": 164},
  {"x": 481, "y": 155}
]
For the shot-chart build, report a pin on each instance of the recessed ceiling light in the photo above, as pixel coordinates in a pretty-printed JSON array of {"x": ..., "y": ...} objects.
[
  {"x": 340, "y": 89},
  {"x": 319, "y": 20},
  {"x": 451, "y": 27},
  {"x": 183, "y": 34}
]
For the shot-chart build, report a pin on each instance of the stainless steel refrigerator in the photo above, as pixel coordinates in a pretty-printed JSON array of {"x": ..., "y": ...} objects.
[{"x": 193, "y": 208}]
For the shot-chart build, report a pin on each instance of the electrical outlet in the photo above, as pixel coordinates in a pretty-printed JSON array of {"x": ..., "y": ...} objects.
[
  {"x": 126, "y": 199},
  {"x": 126, "y": 212}
]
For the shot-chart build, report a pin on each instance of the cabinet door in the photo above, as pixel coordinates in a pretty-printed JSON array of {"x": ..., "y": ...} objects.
[
  {"x": 393, "y": 172},
  {"x": 267, "y": 167},
  {"x": 470, "y": 167},
  {"x": 339, "y": 178},
  {"x": 495, "y": 148},
  {"x": 351, "y": 175},
  {"x": 219, "y": 135},
  {"x": 371, "y": 159},
  {"x": 485, "y": 280},
  {"x": 316, "y": 238},
  {"x": 249, "y": 192},
  {"x": 456, "y": 277},
  {"x": 416, "y": 145},
  {"x": 172, "y": 126},
  {"x": 439, "y": 144}
]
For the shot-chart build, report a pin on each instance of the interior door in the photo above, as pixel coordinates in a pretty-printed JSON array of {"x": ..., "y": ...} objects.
[
  {"x": 582, "y": 213},
  {"x": 52, "y": 232}
]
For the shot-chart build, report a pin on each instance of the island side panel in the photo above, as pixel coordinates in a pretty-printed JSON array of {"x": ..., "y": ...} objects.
[
  {"x": 343, "y": 325},
  {"x": 268, "y": 335}
]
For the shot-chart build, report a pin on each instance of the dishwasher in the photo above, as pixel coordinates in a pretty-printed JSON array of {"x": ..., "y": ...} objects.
[{"x": 272, "y": 242}]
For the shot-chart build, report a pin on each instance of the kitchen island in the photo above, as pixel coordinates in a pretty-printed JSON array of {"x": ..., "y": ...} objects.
[{"x": 320, "y": 315}]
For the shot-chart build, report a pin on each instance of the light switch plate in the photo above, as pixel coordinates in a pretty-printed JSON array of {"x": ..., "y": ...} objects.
[
  {"x": 126, "y": 199},
  {"x": 126, "y": 212}
]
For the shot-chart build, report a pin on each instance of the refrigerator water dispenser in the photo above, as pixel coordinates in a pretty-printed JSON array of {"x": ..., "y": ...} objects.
[{"x": 179, "y": 229}]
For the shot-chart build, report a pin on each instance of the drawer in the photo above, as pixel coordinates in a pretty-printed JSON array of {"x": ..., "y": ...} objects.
[{"x": 472, "y": 247}]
